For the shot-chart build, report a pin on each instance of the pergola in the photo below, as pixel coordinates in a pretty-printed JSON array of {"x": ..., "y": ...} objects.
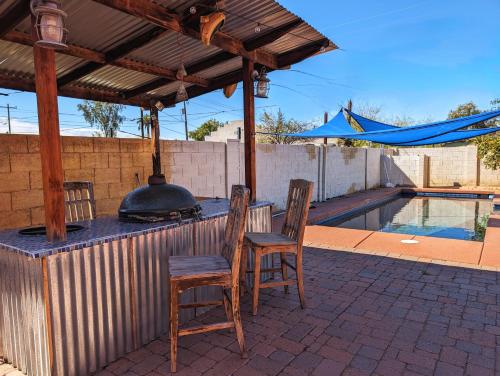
[{"x": 128, "y": 52}]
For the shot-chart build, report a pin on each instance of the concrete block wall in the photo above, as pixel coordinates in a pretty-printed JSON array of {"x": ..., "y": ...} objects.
[
  {"x": 209, "y": 169},
  {"x": 115, "y": 166},
  {"x": 401, "y": 170},
  {"x": 488, "y": 177},
  {"x": 277, "y": 164},
  {"x": 345, "y": 170},
  {"x": 373, "y": 167},
  {"x": 448, "y": 166}
]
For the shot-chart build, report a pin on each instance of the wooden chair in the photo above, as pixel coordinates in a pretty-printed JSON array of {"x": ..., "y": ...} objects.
[
  {"x": 79, "y": 201},
  {"x": 188, "y": 272},
  {"x": 288, "y": 241}
]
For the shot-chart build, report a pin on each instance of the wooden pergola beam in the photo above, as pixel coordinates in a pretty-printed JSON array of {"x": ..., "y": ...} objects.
[
  {"x": 161, "y": 16},
  {"x": 25, "y": 84},
  {"x": 17, "y": 12},
  {"x": 115, "y": 53},
  {"x": 99, "y": 57},
  {"x": 303, "y": 52},
  {"x": 271, "y": 35}
]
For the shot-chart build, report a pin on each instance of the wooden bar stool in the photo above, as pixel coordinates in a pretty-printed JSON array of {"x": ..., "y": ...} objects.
[
  {"x": 188, "y": 272},
  {"x": 79, "y": 201},
  {"x": 288, "y": 241}
]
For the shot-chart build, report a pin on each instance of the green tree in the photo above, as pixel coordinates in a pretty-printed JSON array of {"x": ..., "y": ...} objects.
[
  {"x": 205, "y": 129},
  {"x": 465, "y": 109},
  {"x": 275, "y": 126},
  {"x": 106, "y": 116},
  {"x": 488, "y": 147}
]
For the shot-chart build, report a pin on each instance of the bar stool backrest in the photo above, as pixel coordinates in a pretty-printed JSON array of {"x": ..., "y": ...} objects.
[
  {"x": 79, "y": 201},
  {"x": 235, "y": 229},
  {"x": 297, "y": 209}
]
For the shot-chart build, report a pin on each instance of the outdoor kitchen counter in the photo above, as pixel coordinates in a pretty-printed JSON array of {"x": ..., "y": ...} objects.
[
  {"x": 72, "y": 307},
  {"x": 106, "y": 229}
]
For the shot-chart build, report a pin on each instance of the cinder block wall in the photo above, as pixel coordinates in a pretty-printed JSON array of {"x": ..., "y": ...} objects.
[
  {"x": 277, "y": 164},
  {"x": 448, "y": 166},
  {"x": 345, "y": 170},
  {"x": 208, "y": 169},
  {"x": 115, "y": 166}
]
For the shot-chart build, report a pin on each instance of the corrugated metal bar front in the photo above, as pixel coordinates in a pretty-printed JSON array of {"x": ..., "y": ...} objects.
[
  {"x": 151, "y": 289},
  {"x": 90, "y": 302},
  {"x": 110, "y": 299},
  {"x": 23, "y": 340}
]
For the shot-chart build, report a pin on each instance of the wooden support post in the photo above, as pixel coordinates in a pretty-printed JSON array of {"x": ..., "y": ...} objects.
[
  {"x": 249, "y": 124},
  {"x": 50, "y": 142}
]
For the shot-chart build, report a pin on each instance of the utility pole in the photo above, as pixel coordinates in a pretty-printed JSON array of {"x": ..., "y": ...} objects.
[
  {"x": 184, "y": 111},
  {"x": 9, "y": 107},
  {"x": 325, "y": 120},
  {"x": 142, "y": 122}
]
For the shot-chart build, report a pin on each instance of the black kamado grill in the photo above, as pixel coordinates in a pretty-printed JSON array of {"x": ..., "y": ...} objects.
[{"x": 158, "y": 201}]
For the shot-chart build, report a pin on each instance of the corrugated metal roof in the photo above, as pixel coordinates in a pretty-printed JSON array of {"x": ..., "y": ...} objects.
[
  {"x": 100, "y": 28},
  {"x": 112, "y": 78},
  {"x": 5, "y": 4},
  {"x": 19, "y": 60}
]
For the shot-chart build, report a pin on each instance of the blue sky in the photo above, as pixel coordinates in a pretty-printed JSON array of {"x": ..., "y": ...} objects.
[{"x": 416, "y": 58}]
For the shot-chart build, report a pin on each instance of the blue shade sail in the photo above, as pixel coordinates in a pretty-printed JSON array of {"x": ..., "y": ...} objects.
[
  {"x": 452, "y": 137},
  {"x": 424, "y": 134}
]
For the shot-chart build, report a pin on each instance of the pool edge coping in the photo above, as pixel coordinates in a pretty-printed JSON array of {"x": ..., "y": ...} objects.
[{"x": 495, "y": 266}]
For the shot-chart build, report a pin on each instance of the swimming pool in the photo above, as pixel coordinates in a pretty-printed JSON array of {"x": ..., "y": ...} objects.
[{"x": 442, "y": 217}]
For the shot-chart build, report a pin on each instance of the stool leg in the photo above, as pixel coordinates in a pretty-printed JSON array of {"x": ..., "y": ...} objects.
[
  {"x": 284, "y": 270},
  {"x": 227, "y": 306},
  {"x": 235, "y": 302},
  {"x": 256, "y": 281},
  {"x": 174, "y": 323},
  {"x": 300, "y": 278},
  {"x": 243, "y": 270}
]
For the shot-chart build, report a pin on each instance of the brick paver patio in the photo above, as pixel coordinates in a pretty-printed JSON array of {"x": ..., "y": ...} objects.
[{"x": 366, "y": 315}]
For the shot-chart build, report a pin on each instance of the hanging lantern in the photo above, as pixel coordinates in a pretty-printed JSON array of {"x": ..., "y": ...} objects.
[
  {"x": 209, "y": 25},
  {"x": 182, "y": 94},
  {"x": 49, "y": 23},
  {"x": 262, "y": 84}
]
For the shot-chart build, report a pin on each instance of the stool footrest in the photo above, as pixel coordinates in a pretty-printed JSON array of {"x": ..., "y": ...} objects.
[
  {"x": 206, "y": 328},
  {"x": 267, "y": 285},
  {"x": 201, "y": 304},
  {"x": 266, "y": 270}
]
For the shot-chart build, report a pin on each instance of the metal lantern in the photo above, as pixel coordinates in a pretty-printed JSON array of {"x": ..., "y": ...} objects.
[
  {"x": 159, "y": 105},
  {"x": 262, "y": 85},
  {"x": 50, "y": 23}
]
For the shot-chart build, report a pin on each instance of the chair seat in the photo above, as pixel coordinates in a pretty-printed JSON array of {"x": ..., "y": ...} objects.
[
  {"x": 268, "y": 239},
  {"x": 192, "y": 267}
]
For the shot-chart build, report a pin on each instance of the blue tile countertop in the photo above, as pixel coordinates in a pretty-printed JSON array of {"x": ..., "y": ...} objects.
[{"x": 103, "y": 230}]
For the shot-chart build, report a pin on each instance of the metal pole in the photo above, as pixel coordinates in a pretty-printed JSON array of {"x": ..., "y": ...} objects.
[
  {"x": 9, "y": 107},
  {"x": 325, "y": 120},
  {"x": 142, "y": 122},
  {"x": 185, "y": 120},
  {"x": 8, "y": 117}
]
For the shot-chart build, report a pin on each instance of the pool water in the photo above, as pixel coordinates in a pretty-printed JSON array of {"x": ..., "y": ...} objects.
[{"x": 452, "y": 218}]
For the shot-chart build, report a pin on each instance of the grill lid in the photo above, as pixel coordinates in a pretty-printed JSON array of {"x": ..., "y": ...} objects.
[{"x": 158, "y": 201}]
